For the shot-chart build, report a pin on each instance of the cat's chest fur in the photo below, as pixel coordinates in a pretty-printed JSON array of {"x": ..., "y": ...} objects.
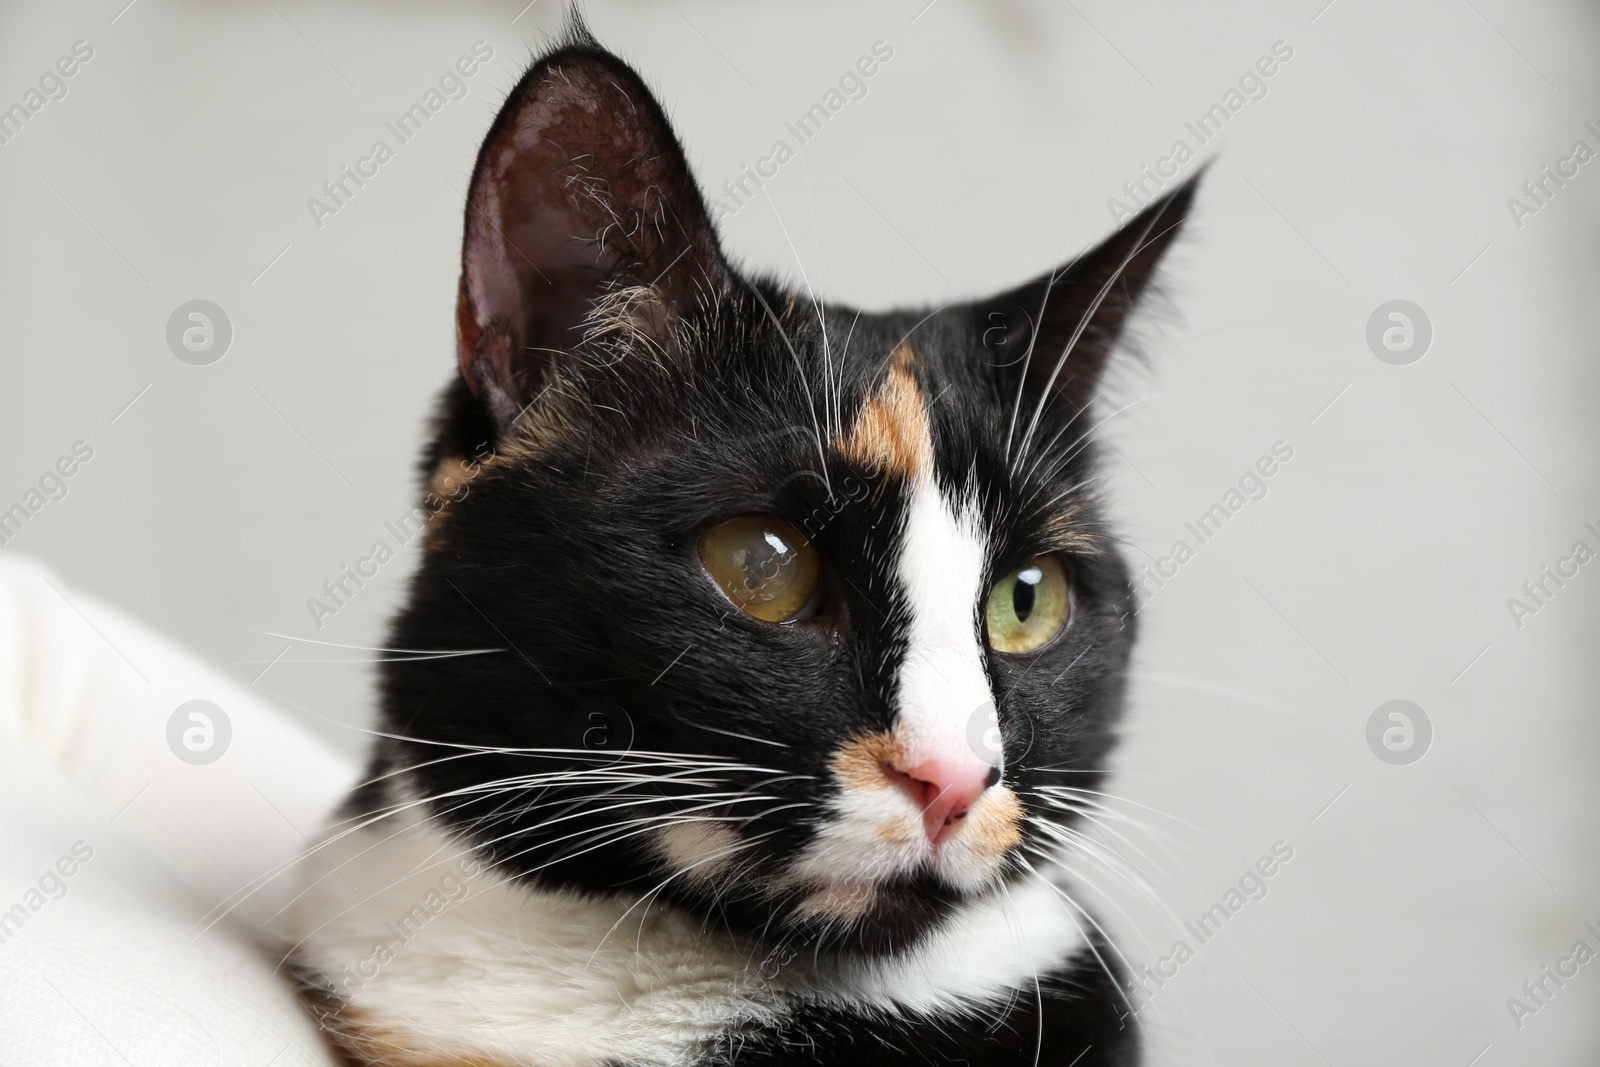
[{"x": 436, "y": 958}]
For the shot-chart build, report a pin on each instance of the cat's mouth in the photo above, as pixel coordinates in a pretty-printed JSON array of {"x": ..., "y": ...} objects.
[
  {"x": 900, "y": 809},
  {"x": 891, "y": 855},
  {"x": 901, "y": 825},
  {"x": 879, "y": 844},
  {"x": 900, "y": 843}
]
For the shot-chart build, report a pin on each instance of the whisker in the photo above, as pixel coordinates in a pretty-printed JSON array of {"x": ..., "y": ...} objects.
[
  {"x": 730, "y": 733},
  {"x": 600, "y": 837},
  {"x": 822, "y": 450},
  {"x": 1089, "y": 941},
  {"x": 436, "y": 652},
  {"x": 1140, "y": 244}
]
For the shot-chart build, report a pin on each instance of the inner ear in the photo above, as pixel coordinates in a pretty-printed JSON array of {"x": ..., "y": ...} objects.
[{"x": 582, "y": 216}]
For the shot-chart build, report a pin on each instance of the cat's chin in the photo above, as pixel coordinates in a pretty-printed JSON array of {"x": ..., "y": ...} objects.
[
  {"x": 882, "y": 918},
  {"x": 843, "y": 918},
  {"x": 840, "y": 898}
]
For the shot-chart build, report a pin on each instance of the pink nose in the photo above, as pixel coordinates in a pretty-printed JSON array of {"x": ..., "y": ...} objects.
[{"x": 945, "y": 790}]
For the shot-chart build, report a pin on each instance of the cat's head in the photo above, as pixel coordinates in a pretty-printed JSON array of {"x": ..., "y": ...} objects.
[{"x": 805, "y": 617}]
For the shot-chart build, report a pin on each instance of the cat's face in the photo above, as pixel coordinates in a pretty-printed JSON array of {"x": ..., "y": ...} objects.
[{"x": 805, "y": 616}]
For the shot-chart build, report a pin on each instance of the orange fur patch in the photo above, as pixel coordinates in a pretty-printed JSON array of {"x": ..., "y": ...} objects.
[
  {"x": 859, "y": 764},
  {"x": 363, "y": 1041},
  {"x": 891, "y": 431},
  {"x": 902, "y": 833},
  {"x": 451, "y": 481},
  {"x": 994, "y": 825},
  {"x": 699, "y": 850},
  {"x": 846, "y": 900}
]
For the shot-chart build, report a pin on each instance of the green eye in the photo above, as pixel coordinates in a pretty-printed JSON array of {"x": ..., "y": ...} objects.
[
  {"x": 764, "y": 566},
  {"x": 1028, "y": 606}
]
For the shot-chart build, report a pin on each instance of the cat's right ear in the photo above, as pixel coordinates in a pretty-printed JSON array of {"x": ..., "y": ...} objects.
[
  {"x": 1050, "y": 338},
  {"x": 581, "y": 194}
]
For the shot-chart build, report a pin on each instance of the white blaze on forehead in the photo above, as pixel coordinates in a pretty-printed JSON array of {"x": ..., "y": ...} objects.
[{"x": 944, "y": 701}]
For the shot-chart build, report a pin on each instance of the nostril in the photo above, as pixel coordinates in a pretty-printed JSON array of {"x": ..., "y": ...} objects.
[
  {"x": 945, "y": 790},
  {"x": 899, "y": 777}
]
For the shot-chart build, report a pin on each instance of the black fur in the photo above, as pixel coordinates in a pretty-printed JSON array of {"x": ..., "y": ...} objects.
[
  {"x": 1073, "y": 1018},
  {"x": 571, "y": 547}
]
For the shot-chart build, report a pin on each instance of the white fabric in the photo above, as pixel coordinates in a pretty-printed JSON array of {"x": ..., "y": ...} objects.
[{"x": 154, "y": 949}]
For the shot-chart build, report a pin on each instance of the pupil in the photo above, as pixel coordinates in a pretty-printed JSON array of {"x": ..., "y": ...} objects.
[{"x": 1022, "y": 598}]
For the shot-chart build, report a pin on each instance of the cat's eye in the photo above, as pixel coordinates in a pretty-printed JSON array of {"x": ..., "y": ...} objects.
[
  {"x": 1028, "y": 607},
  {"x": 764, "y": 566}
]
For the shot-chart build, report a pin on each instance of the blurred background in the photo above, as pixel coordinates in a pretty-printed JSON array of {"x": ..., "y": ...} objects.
[{"x": 1443, "y": 449}]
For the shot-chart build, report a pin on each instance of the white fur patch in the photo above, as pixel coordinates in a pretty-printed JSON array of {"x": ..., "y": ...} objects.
[
  {"x": 869, "y": 836},
  {"x": 565, "y": 980},
  {"x": 703, "y": 850},
  {"x": 995, "y": 945},
  {"x": 944, "y": 699},
  {"x": 554, "y": 978}
]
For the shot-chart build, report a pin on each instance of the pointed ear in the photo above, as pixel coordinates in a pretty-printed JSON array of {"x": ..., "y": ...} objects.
[
  {"x": 581, "y": 194},
  {"x": 1051, "y": 336}
]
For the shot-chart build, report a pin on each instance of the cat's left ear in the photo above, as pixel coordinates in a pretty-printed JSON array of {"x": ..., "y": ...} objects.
[
  {"x": 581, "y": 194},
  {"x": 1055, "y": 332}
]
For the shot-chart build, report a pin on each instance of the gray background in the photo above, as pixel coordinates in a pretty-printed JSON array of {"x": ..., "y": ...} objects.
[{"x": 1377, "y": 167}]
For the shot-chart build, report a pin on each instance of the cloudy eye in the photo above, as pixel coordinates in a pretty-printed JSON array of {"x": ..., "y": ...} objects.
[
  {"x": 1028, "y": 606},
  {"x": 764, "y": 566}
]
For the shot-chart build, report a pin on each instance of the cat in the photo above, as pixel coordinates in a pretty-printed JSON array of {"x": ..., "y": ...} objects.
[{"x": 764, "y": 655}]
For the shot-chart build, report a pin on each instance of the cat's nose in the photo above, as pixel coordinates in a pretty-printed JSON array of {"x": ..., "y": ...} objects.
[{"x": 945, "y": 790}]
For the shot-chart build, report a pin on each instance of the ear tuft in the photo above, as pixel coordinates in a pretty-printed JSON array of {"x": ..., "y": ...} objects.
[{"x": 583, "y": 224}]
